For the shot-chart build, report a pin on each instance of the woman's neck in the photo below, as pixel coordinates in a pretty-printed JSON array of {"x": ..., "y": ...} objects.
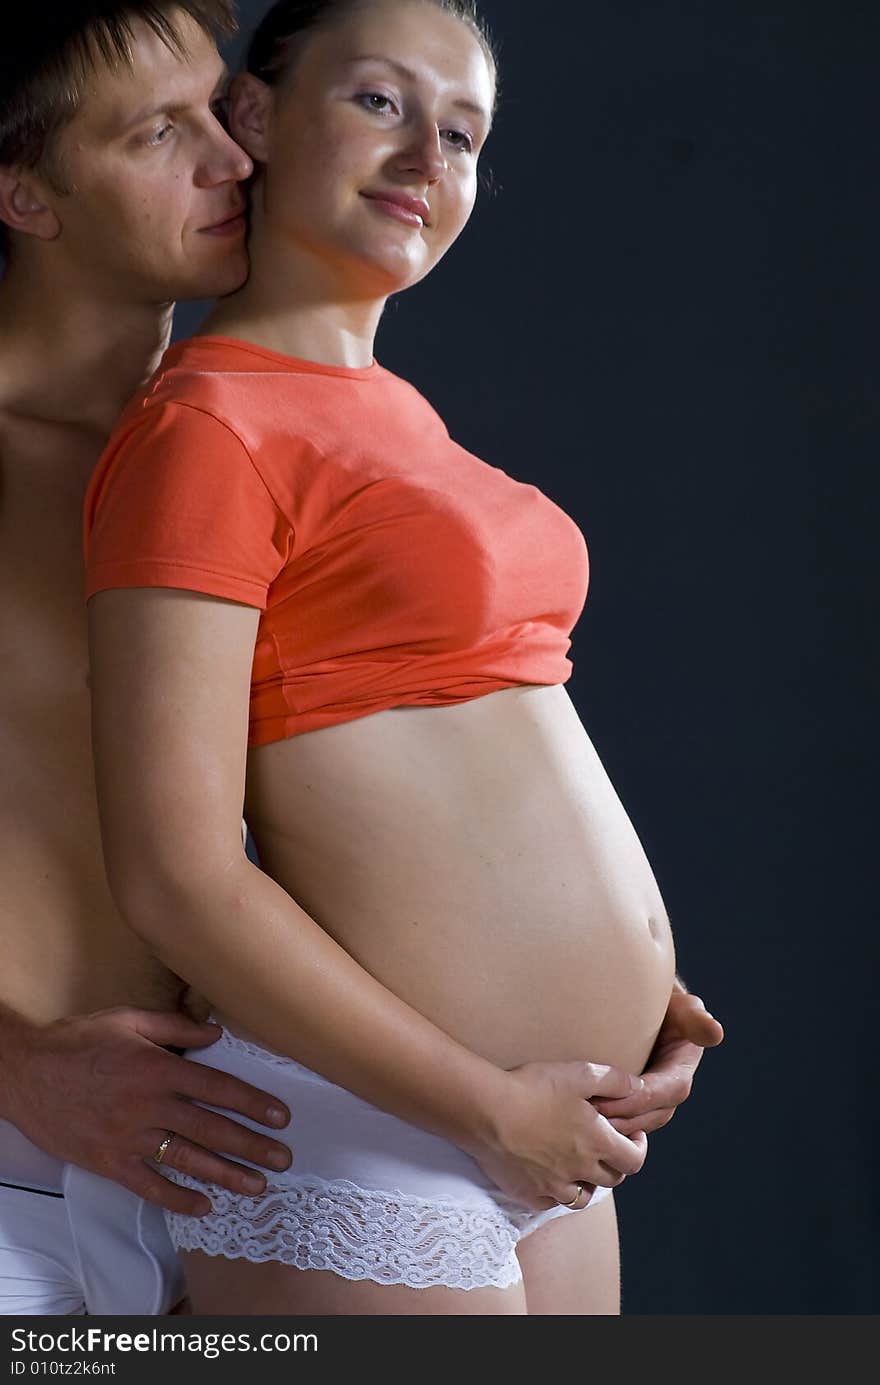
[{"x": 298, "y": 305}]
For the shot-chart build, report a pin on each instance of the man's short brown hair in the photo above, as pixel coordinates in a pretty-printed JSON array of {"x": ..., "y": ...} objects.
[{"x": 49, "y": 52}]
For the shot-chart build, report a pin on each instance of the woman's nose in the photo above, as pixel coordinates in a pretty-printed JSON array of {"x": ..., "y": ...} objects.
[{"x": 424, "y": 154}]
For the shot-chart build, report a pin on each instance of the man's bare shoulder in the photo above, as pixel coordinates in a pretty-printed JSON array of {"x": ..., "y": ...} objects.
[
  {"x": 42, "y": 420},
  {"x": 45, "y": 465},
  {"x": 39, "y": 443}
]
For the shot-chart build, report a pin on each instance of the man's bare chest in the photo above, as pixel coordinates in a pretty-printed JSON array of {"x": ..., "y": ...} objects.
[{"x": 43, "y": 475}]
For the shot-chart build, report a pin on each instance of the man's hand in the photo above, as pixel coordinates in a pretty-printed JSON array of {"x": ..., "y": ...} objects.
[
  {"x": 686, "y": 1031},
  {"x": 101, "y": 1091}
]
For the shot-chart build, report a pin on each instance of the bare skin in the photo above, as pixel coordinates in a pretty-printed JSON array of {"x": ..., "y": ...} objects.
[
  {"x": 514, "y": 906},
  {"x": 550, "y": 895}
]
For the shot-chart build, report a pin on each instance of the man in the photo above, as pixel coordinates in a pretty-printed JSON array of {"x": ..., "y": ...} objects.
[
  {"x": 115, "y": 202},
  {"x": 120, "y": 192}
]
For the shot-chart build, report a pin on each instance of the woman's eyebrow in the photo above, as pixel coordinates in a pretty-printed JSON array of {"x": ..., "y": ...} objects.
[{"x": 411, "y": 76}]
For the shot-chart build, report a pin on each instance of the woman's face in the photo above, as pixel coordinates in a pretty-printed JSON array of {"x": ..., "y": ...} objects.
[{"x": 371, "y": 144}]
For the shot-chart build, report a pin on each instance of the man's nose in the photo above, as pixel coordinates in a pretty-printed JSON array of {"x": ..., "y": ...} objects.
[{"x": 225, "y": 161}]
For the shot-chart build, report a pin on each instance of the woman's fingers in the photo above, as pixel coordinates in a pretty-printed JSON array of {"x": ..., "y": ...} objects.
[
  {"x": 548, "y": 1136},
  {"x": 596, "y": 1079},
  {"x": 618, "y": 1155},
  {"x": 581, "y": 1195},
  {"x": 633, "y": 1157}
]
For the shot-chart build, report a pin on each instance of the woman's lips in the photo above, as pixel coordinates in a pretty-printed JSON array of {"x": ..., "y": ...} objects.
[{"x": 401, "y": 211}]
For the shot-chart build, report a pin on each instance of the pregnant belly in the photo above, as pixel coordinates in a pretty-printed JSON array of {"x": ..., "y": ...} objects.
[{"x": 505, "y": 896}]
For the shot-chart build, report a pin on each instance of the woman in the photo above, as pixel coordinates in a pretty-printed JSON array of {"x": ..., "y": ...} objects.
[{"x": 281, "y": 525}]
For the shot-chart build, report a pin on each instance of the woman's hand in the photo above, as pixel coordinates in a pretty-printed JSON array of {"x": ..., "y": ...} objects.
[{"x": 548, "y": 1138}]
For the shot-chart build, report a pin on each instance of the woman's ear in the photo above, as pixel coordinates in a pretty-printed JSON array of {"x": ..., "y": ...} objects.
[
  {"x": 250, "y": 115},
  {"x": 23, "y": 207}
]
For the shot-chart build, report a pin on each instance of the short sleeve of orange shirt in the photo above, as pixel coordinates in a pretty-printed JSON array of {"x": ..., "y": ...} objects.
[{"x": 177, "y": 481}]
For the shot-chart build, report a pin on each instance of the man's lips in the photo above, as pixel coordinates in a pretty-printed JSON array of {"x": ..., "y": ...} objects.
[
  {"x": 231, "y": 223},
  {"x": 413, "y": 210}
]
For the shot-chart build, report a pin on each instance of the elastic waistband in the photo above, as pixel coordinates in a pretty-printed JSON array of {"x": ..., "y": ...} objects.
[
  {"x": 23, "y": 1165},
  {"x": 240, "y": 1042}
]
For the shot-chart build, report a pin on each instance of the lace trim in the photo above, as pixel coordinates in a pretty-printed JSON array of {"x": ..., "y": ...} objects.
[
  {"x": 390, "y": 1238},
  {"x": 268, "y": 1055}
]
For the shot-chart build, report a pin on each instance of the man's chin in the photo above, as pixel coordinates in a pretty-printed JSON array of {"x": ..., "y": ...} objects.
[{"x": 216, "y": 282}]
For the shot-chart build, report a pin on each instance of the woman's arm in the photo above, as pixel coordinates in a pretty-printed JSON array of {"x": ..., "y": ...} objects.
[{"x": 170, "y": 685}]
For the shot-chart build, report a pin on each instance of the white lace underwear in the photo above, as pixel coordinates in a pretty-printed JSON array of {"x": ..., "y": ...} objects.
[
  {"x": 368, "y": 1196},
  {"x": 390, "y": 1238}
]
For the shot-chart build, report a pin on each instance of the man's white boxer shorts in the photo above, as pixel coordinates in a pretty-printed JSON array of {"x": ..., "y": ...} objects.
[{"x": 71, "y": 1242}]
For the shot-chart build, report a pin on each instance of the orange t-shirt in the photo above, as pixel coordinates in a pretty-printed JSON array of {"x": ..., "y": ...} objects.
[{"x": 391, "y": 567}]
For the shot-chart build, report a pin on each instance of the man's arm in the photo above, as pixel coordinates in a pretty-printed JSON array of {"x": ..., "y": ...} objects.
[
  {"x": 687, "y": 1030},
  {"x": 102, "y": 1091}
]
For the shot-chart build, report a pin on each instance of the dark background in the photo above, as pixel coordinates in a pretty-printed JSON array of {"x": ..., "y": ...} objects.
[{"x": 660, "y": 315}]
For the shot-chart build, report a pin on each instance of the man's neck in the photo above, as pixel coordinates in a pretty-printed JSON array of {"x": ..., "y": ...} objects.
[{"x": 72, "y": 359}]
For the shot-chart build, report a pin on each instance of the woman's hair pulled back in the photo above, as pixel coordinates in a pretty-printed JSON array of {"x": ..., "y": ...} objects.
[{"x": 281, "y": 35}]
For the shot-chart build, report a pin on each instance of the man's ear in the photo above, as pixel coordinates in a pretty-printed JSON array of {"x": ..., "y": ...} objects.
[
  {"x": 23, "y": 207},
  {"x": 250, "y": 115}
]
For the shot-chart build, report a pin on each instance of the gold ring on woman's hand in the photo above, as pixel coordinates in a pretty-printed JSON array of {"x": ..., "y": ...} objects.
[{"x": 576, "y": 1199}]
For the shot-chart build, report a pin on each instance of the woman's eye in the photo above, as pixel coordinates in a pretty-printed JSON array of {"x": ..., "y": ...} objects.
[
  {"x": 375, "y": 101},
  {"x": 460, "y": 140}
]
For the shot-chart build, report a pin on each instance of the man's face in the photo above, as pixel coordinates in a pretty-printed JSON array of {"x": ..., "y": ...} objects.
[{"x": 153, "y": 178}]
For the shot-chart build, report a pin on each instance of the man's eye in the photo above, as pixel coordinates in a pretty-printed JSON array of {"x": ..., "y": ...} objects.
[{"x": 160, "y": 135}]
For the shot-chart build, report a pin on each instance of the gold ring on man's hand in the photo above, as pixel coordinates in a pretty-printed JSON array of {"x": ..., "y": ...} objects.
[{"x": 163, "y": 1149}]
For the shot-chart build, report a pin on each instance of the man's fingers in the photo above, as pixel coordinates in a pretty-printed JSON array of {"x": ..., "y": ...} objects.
[
  {"x": 712, "y": 1031},
  {"x": 170, "y": 1029},
  {"x": 662, "y": 1088},
  {"x": 694, "y": 1023},
  {"x": 649, "y": 1122},
  {"x": 608, "y": 1082},
  {"x": 208, "y": 1167},
  {"x": 145, "y": 1182},
  {"x": 201, "y": 1083},
  {"x": 224, "y": 1136}
]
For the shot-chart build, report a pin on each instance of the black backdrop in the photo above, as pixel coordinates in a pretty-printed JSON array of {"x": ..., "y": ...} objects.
[{"x": 660, "y": 315}]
